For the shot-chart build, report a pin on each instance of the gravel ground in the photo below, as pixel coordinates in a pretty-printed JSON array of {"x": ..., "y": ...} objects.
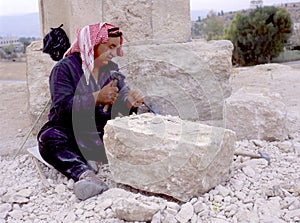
[{"x": 255, "y": 192}]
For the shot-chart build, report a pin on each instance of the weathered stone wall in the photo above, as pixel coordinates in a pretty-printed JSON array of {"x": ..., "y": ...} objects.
[{"x": 140, "y": 20}]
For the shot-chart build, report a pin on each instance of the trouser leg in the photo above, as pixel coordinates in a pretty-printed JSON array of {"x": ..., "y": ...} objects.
[{"x": 60, "y": 150}]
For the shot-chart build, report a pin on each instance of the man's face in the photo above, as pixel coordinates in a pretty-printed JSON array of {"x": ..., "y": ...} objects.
[{"x": 105, "y": 52}]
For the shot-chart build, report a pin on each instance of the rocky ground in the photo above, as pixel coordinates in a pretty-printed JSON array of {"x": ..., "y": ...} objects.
[{"x": 255, "y": 192}]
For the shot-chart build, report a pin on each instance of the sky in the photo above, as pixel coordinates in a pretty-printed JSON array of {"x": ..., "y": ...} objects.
[
  {"x": 17, "y": 7},
  {"x": 227, "y": 5}
]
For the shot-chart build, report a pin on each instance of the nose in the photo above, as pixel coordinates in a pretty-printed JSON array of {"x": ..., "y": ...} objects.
[{"x": 113, "y": 52}]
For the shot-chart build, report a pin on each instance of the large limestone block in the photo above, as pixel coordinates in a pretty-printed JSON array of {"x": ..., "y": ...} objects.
[
  {"x": 256, "y": 113},
  {"x": 38, "y": 68},
  {"x": 167, "y": 155},
  {"x": 189, "y": 80}
]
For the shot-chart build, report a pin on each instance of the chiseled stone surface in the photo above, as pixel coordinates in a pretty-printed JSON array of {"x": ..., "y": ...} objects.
[
  {"x": 256, "y": 113},
  {"x": 167, "y": 155}
]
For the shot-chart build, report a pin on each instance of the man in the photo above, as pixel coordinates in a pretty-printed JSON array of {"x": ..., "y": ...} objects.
[{"x": 82, "y": 87}]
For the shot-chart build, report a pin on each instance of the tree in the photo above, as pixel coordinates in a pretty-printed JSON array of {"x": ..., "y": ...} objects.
[
  {"x": 259, "y": 36},
  {"x": 213, "y": 27}
]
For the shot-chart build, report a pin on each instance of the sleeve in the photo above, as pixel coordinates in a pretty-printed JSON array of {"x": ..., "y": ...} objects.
[{"x": 67, "y": 97}]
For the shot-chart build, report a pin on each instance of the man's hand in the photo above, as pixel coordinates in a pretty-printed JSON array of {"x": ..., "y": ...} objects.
[
  {"x": 134, "y": 98},
  {"x": 107, "y": 95}
]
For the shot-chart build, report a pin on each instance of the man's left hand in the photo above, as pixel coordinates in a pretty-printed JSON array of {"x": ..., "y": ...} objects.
[{"x": 135, "y": 98}]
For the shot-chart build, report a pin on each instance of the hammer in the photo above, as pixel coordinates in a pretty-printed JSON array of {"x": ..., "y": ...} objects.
[
  {"x": 118, "y": 80},
  {"x": 116, "y": 76}
]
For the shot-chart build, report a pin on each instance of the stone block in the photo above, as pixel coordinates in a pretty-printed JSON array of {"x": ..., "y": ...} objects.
[
  {"x": 38, "y": 69},
  {"x": 52, "y": 14},
  {"x": 256, "y": 113},
  {"x": 160, "y": 20},
  {"x": 189, "y": 80},
  {"x": 73, "y": 14},
  {"x": 167, "y": 155}
]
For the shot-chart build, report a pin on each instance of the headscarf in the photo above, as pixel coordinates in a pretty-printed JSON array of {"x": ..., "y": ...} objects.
[{"x": 87, "y": 38}]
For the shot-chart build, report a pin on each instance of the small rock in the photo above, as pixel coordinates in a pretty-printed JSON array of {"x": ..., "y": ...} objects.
[
  {"x": 171, "y": 211},
  {"x": 193, "y": 200},
  {"x": 3, "y": 190},
  {"x": 222, "y": 190},
  {"x": 60, "y": 188},
  {"x": 70, "y": 184},
  {"x": 249, "y": 171},
  {"x": 71, "y": 217},
  {"x": 173, "y": 205},
  {"x": 103, "y": 205},
  {"x": 258, "y": 143},
  {"x": 286, "y": 146},
  {"x": 16, "y": 214},
  {"x": 156, "y": 218},
  {"x": 218, "y": 220},
  {"x": 238, "y": 185},
  {"x": 218, "y": 198},
  {"x": 168, "y": 218},
  {"x": 186, "y": 213},
  {"x": 4, "y": 209},
  {"x": 14, "y": 198},
  {"x": 90, "y": 206},
  {"x": 292, "y": 214},
  {"x": 194, "y": 218},
  {"x": 24, "y": 193},
  {"x": 297, "y": 148},
  {"x": 240, "y": 195},
  {"x": 198, "y": 207},
  {"x": 134, "y": 210}
]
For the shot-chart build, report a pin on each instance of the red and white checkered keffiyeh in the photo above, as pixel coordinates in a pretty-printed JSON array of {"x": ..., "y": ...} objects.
[{"x": 87, "y": 38}]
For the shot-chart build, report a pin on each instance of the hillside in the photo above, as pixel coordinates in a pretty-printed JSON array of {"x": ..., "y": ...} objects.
[{"x": 292, "y": 8}]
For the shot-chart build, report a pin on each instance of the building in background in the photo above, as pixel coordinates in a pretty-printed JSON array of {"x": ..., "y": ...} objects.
[
  {"x": 10, "y": 41},
  {"x": 256, "y": 3}
]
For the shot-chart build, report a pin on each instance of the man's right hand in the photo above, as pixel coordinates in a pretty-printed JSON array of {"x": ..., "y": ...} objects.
[{"x": 107, "y": 95}]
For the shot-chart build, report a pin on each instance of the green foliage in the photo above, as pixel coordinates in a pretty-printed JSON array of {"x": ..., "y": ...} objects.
[
  {"x": 259, "y": 36},
  {"x": 9, "y": 49},
  {"x": 209, "y": 28},
  {"x": 213, "y": 27}
]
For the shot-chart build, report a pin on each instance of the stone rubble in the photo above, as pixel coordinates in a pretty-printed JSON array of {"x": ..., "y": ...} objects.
[{"x": 255, "y": 192}]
